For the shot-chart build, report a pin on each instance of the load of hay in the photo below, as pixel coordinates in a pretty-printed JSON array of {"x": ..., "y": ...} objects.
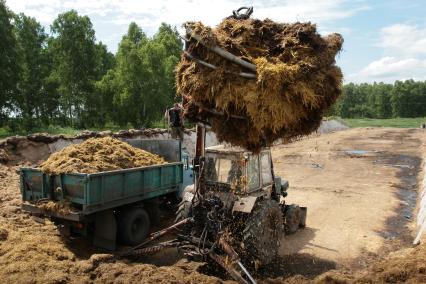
[
  {"x": 97, "y": 155},
  {"x": 296, "y": 79}
]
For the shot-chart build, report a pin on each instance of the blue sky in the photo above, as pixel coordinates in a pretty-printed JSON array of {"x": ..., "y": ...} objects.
[{"x": 384, "y": 40}]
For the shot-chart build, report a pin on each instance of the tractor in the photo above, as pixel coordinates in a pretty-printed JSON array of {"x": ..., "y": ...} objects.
[{"x": 237, "y": 201}]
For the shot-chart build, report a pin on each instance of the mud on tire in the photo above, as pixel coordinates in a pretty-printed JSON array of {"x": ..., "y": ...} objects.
[
  {"x": 263, "y": 231},
  {"x": 185, "y": 206},
  {"x": 184, "y": 210}
]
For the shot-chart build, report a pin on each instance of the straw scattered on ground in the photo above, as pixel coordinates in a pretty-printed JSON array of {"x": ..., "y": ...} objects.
[
  {"x": 402, "y": 266},
  {"x": 59, "y": 207},
  {"x": 297, "y": 80},
  {"x": 97, "y": 155}
]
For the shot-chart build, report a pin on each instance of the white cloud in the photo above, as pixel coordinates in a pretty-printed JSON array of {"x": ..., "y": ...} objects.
[
  {"x": 388, "y": 69},
  {"x": 403, "y": 38},
  {"x": 404, "y": 56},
  {"x": 111, "y": 18},
  {"x": 177, "y": 12}
]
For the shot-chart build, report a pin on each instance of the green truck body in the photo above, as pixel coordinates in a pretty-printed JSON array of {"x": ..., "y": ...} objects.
[
  {"x": 99, "y": 201},
  {"x": 104, "y": 190}
]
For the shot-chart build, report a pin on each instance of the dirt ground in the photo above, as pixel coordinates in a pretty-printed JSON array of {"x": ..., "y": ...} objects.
[
  {"x": 360, "y": 208},
  {"x": 360, "y": 188}
]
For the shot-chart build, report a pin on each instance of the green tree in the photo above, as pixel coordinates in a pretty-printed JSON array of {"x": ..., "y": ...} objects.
[
  {"x": 75, "y": 63},
  {"x": 9, "y": 68},
  {"x": 381, "y": 94},
  {"x": 97, "y": 106},
  {"x": 31, "y": 40},
  {"x": 142, "y": 82},
  {"x": 105, "y": 60},
  {"x": 130, "y": 79},
  {"x": 409, "y": 99}
]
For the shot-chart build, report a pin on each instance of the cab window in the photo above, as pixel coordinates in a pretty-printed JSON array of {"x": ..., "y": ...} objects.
[
  {"x": 266, "y": 169},
  {"x": 253, "y": 172}
]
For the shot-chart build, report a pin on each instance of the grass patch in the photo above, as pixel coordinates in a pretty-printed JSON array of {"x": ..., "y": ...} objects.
[{"x": 391, "y": 122}]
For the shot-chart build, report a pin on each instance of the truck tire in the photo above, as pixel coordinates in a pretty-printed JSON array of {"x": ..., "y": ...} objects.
[
  {"x": 134, "y": 226},
  {"x": 263, "y": 232},
  {"x": 153, "y": 211}
]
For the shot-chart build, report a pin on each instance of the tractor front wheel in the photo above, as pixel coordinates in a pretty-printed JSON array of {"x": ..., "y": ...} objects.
[{"x": 263, "y": 232}]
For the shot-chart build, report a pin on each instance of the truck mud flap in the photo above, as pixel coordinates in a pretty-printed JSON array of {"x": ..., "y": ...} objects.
[{"x": 105, "y": 230}]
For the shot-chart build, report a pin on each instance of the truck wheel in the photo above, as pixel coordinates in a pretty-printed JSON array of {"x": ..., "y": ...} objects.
[
  {"x": 134, "y": 226},
  {"x": 153, "y": 212},
  {"x": 293, "y": 218},
  {"x": 263, "y": 232}
]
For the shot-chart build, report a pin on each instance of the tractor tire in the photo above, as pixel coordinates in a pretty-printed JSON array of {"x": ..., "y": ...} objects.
[
  {"x": 184, "y": 210},
  {"x": 134, "y": 226},
  {"x": 263, "y": 232},
  {"x": 293, "y": 218},
  {"x": 185, "y": 206}
]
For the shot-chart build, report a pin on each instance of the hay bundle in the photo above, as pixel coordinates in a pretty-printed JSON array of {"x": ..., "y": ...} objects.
[
  {"x": 97, "y": 155},
  {"x": 296, "y": 80}
]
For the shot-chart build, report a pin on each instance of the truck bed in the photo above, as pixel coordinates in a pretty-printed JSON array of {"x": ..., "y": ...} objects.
[{"x": 103, "y": 190}]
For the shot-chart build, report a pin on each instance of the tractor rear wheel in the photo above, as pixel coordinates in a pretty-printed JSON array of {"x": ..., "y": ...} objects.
[
  {"x": 184, "y": 210},
  {"x": 263, "y": 232},
  {"x": 185, "y": 206}
]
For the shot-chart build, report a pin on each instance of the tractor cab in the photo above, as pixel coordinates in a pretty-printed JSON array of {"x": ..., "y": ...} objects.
[{"x": 241, "y": 172}]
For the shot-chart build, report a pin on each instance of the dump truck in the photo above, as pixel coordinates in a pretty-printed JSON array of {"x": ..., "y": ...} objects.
[{"x": 110, "y": 205}]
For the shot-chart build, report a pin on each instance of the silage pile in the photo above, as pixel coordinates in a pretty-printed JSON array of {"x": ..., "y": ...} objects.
[
  {"x": 402, "y": 266},
  {"x": 97, "y": 155},
  {"x": 296, "y": 80}
]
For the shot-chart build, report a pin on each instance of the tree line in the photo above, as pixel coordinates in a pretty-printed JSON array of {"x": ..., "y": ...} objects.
[
  {"x": 380, "y": 100},
  {"x": 67, "y": 78}
]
